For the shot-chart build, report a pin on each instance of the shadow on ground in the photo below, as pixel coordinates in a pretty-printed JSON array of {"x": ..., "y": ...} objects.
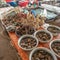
[{"x": 7, "y": 52}]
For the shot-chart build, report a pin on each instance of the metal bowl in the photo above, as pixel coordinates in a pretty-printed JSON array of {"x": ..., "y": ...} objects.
[
  {"x": 45, "y": 32},
  {"x": 26, "y": 36},
  {"x": 54, "y": 34},
  {"x": 57, "y": 40},
  {"x": 42, "y": 48}
]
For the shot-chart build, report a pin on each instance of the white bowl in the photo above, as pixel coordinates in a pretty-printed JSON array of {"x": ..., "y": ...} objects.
[
  {"x": 43, "y": 48},
  {"x": 51, "y": 47},
  {"x": 54, "y": 34},
  {"x": 46, "y": 32},
  {"x": 24, "y": 37}
]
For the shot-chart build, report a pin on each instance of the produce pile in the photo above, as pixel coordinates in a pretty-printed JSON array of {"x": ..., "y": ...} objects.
[
  {"x": 25, "y": 19},
  {"x": 26, "y": 29},
  {"x": 53, "y": 29},
  {"x": 41, "y": 55},
  {"x": 28, "y": 42},
  {"x": 43, "y": 36},
  {"x": 56, "y": 47},
  {"x": 21, "y": 19}
]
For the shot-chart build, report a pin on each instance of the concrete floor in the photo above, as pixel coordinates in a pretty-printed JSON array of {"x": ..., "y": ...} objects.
[{"x": 7, "y": 52}]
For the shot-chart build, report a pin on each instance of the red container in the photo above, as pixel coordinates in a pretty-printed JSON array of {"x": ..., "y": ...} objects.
[
  {"x": 23, "y": 4},
  {"x": 8, "y": 0}
]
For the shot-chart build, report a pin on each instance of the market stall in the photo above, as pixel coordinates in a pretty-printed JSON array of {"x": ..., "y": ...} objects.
[
  {"x": 26, "y": 22},
  {"x": 25, "y": 55},
  {"x": 29, "y": 25}
]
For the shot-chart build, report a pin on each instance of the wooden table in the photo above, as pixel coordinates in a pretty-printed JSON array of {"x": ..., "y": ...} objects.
[{"x": 23, "y": 54}]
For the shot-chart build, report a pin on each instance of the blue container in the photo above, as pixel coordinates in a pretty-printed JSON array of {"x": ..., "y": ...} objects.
[
  {"x": 33, "y": 12},
  {"x": 14, "y": 4}
]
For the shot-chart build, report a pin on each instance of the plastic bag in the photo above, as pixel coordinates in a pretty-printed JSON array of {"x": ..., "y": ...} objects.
[{"x": 45, "y": 13}]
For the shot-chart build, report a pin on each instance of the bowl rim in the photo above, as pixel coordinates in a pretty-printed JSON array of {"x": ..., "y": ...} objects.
[
  {"x": 24, "y": 37},
  {"x": 46, "y": 32},
  {"x": 24, "y": 34},
  {"x": 46, "y": 49},
  {"x": 53, "y": 26},
  {"x": 55, "y": 40}
]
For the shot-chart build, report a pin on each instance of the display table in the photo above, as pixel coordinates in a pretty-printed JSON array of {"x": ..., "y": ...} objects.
[{"x": 23, "y": 54}]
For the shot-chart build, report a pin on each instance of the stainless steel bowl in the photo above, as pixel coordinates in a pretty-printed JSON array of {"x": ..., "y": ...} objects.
[
  {"x": 45, "y": 32},
  {"x": 54, "y": 34},
  {"x": 56, "y": 40},
  {"x": 25, "y": 36},
  {"x": 42, "y": 48}
]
